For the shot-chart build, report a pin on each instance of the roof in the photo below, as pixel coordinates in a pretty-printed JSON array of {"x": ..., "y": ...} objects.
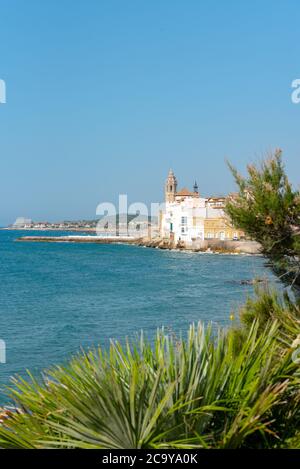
[
  {"x": 221, "y": 197},
  {"x": 186, "y": 193}
]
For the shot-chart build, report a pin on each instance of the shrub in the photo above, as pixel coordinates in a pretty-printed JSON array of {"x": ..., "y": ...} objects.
[{"x": 199, "y": 392}]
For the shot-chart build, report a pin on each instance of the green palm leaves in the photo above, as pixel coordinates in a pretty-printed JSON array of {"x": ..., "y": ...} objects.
[{"x": 199, "y": 392}]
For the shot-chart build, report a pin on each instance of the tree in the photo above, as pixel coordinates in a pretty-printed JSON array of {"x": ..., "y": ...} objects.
[{"x": 267, "y": 208}]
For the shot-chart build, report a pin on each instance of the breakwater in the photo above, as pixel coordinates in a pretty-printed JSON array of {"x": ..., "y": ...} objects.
[{"x": 214, "y": 245}]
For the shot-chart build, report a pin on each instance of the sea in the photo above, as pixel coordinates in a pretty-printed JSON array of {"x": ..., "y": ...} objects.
[{"x": 59, "y": 298}]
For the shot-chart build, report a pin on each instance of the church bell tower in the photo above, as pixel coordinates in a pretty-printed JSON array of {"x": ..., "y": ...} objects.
[{"x": 170, "y": 187}]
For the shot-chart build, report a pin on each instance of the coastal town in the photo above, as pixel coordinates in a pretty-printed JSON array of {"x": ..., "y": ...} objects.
[
  {"x": 185, "y": 221},
  {"x": 186, "y": 217},
  {"x": 23, "y": 223}
]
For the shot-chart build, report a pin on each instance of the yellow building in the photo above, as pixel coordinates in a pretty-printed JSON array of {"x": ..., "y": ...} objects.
[
  {"x": 221, "y": 228},
  {"x": 216, "y": 224}
]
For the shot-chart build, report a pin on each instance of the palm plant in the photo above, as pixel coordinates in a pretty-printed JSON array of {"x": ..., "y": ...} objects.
[{"x": 199, "y": 392}]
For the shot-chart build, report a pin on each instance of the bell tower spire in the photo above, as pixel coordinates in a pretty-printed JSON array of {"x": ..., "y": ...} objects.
[{"x": 170, "y": 187}]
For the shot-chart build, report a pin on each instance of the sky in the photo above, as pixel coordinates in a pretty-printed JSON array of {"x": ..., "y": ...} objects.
[{"x": 104, "y": 96}]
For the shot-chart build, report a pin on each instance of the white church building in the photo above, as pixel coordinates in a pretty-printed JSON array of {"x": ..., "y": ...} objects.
[{"x": 188, "y": 217}]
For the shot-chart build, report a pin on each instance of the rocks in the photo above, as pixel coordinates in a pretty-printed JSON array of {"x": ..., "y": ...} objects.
[
  {"x": 251, "y": 281},
  {"x": 212, "y": 246}
]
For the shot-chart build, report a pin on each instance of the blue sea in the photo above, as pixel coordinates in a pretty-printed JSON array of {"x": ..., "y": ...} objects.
[{"x": 56, "y": 298}]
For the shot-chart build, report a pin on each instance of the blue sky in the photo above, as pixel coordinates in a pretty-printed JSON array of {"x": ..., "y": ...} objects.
[{"x": 103, "y": 97}]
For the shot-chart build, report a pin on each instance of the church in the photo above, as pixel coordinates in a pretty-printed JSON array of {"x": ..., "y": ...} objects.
[{"x": 188, "y": 217}]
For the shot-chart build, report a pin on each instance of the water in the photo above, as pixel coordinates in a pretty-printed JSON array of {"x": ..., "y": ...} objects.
[{"x": 56, "y": 298}]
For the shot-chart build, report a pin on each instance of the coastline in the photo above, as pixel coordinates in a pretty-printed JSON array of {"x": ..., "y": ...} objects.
[
  {"x": 79, "y": 230},
  {"x": 207, "y": 246}
]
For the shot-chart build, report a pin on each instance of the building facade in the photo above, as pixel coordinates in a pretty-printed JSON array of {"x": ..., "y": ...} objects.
[{"x": 187, "y": 217}]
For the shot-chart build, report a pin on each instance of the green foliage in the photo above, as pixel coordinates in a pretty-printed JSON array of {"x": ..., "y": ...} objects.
[
  {"x": 198, "y": 392},
  {"x": 268, "y": 210},
  {"x": 269, "y": 306}
]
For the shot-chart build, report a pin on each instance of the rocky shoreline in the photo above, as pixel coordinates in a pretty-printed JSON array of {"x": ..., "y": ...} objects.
[{"x": 207, "y": 246}]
